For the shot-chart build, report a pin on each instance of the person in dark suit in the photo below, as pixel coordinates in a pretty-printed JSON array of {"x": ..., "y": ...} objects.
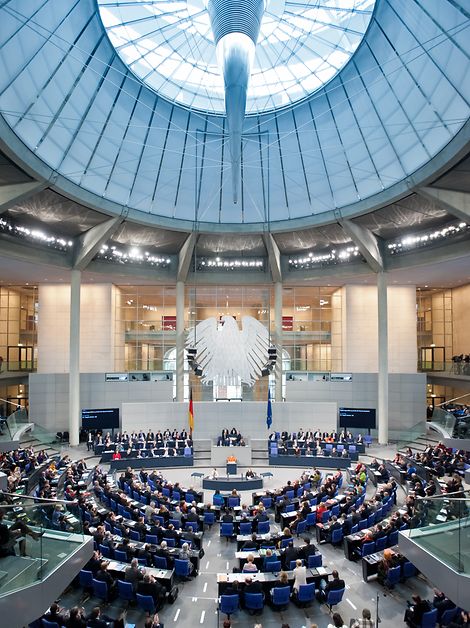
[
  {"x": 251, "y": 544},
  {"x": 133, "y": 574},
  {"x": 335, "y": 525},
  {"x": 289, "y": 554},
  {"x": 192, "y": 516},
  {"x": 227, "y": 517},
  {"x": 307, "y": 549},
  {"x": 414, "y": 613},
  {"x": 125, "y": 547},
  {"x": 104, "y": 576},
  {"x": 442, "y": 603},
  {"x": 333, "y": 585},
  {"x": 96, "y": 620},
  {"x": 55, "y": 614},
  {"x": 250, "y": 586},
  {"x": 94, "y": 564},
  {"x": 149, "y": 586},
  {"x": 140, "y": 528}
]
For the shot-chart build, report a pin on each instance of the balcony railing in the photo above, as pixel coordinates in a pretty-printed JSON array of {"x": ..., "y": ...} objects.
[
  {"x": 443, "y": 531},
  {"x": 42, "y": 534}
]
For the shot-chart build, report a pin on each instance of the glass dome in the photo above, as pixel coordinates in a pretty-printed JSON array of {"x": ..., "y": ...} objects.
[{"x": 169, "y": 45}]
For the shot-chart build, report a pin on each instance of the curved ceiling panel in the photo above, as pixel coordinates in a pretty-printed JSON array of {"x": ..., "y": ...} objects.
[{"x": 399, "y": 101}]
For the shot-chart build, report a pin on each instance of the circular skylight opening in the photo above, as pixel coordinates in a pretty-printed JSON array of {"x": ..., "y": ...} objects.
[{"x": 169, "y": 45}]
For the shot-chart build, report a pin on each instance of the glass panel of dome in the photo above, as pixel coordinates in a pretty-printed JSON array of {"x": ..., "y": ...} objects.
[{"x": 170, "y": 46}]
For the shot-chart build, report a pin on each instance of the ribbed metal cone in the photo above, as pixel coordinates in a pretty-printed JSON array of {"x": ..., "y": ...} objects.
[{"x": 235, "y": 25}]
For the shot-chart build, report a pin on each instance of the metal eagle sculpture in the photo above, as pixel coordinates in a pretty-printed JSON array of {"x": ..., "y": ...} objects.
[{"x": 228, "y": 355}]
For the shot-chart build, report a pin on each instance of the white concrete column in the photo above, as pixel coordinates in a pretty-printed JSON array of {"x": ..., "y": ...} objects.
[
  {"x": 180, "y": 341},
  {"x": 74, "y": 358},
  {"x": 382, "y": 358},
  {"x": 278, "y": 337}
]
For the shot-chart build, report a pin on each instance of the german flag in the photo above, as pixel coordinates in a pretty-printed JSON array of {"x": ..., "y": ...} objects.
[{"x": 191, "y": 413}]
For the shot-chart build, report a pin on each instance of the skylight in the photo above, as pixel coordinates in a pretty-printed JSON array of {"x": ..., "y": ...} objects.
[{"x": 169, "y": 45}]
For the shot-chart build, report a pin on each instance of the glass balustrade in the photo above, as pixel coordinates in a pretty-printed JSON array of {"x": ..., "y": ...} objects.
[
  {"x": 444, "y": 529},
  {"x": 12, "y": 424},
  {"x": 445, "y": 420},
  {"x": 36, "y": 537}
]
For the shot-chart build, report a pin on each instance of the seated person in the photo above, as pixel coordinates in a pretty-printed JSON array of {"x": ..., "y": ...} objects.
[
  {"x": 389, "y": 560},
  {"x": 252, "y": 544},
  {"x": 133, "y": 574},
  {"x": 251, "y": 586},
  {"x": 249, "y": 566},
  {"x": 96, "y": 620},
  {"x": 16, "y": 532},
  {"x": 104, "y": 576},
  {"x": 333, "y": 585},
  {"x": 442, "y": 603},
  {"x": 269, "y": 558},
  {"x": 186, "y": 555},
  {"x": 249, "y": 474},
  {"x": 283, "y": 581},
  {"x": 415, "y": 611},
  {"x": 55, "y": 614},
  {"x": 288, "y": 555},
  {"x": 307, "y": 549},
  {"x": 150, "y": 586}
]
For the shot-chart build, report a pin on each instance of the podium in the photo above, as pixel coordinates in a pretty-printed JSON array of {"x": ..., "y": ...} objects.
[{"x": 231, "y": 468}]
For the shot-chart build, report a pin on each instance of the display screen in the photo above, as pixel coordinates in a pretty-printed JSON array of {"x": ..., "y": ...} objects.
[
  {"x": 100, "y": 418},
  {"x": 357, "y": 417}
]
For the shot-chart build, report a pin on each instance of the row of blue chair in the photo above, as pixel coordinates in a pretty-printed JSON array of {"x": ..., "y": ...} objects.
[
  {"x": 313, "y": 561},
  {"x": 280, "y": 599},
  {"x": 228, "y": 529}
]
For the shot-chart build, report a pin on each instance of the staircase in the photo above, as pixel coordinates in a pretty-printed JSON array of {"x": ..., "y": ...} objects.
[
  {"x": 29, "y": 440},
  {"x": 259, "y": 453},
  {"x": 420, "y": 443},
  {"x": 202, "y": 453}
]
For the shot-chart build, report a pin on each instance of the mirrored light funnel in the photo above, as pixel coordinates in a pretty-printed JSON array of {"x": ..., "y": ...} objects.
[{"x": 235, "y": 26}]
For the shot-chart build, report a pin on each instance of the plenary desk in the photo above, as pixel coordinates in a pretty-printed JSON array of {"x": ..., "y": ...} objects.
[
  {"x": 268, "y": 580},
  {"x": 360, "y": 447},
  {"x": 158, "y": 462},
  {"x": 227, "y": 484},
  {"x": 321, "y": 462},
  {"x": 395, "y": 471},
  {"x": 164, "y": 576},
  {"x": 370, "y": 565}
]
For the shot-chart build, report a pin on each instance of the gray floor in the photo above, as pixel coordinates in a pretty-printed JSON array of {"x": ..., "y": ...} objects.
[{"x": 197, "y": 602}]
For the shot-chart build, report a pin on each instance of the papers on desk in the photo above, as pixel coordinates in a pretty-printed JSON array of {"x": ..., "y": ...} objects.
[{"x": 321, "y": 571}]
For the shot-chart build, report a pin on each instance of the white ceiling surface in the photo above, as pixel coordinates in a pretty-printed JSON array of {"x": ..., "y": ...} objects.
[
  {"x": 67, "y": 96},
  {"x": 442, "y": 274}
]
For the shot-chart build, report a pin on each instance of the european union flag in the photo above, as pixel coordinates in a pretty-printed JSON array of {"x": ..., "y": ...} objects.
[{"x": 269, "y": 414}]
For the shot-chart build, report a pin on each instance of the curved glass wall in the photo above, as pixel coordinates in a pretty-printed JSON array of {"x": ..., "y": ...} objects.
[{"x": 145, "y": 329}]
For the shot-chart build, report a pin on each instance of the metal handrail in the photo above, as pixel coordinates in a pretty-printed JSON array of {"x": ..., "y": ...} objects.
[
  {"x": 446, "y": 496},
  {"x": 451, "y": 400},
  {"x": 36, "y": 499}
]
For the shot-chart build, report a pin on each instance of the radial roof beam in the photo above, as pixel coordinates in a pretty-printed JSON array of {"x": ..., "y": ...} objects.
[
  {"x": 11, "y": 195},
  {"x": 87, "y": 245},
  {"x": 367, "y": 243},
  {"x": 274, "y": 256},
  {"x": 456, "y": 203},
  {"x": 185, "y": 256}
]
